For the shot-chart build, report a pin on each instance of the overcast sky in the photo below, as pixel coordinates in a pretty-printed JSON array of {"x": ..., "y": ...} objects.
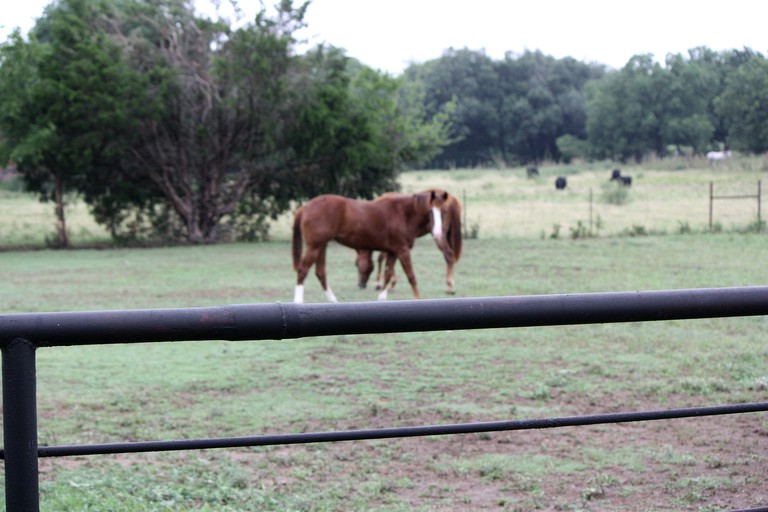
[{"x": 390, "y": 34}]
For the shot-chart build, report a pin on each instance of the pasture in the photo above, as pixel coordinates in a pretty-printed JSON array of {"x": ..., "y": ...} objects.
[
  {"x": 210, "y": 389},
  {"x": 667, "y": 196}
]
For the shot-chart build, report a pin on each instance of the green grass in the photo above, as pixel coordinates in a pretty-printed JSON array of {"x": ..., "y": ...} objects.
[
  {"x": 185, "y": 390},
  {"x": 210, "y": 389},
  {"x": 667, "y": 196},
  {"x": 28, "y": 222}
]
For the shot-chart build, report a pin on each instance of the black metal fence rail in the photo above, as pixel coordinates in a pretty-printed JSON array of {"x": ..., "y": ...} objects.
[{"x": 22, "y": 334}]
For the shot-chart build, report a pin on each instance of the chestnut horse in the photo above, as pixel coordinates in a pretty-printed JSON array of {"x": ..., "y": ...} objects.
[
  {"x": 389, "y": 224},
  {"x": 449, "y": 244}
]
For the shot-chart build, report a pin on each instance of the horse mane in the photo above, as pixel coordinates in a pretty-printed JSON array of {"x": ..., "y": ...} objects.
[{"x": 296, "y": 242}]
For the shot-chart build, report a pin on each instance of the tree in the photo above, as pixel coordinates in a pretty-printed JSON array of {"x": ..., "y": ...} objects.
[
  {"x": 469, "y": 79},
  {"x": 744, "y": 106},
  {"x": 180, "y": 125},
  {"x": 220, "y": 98},
  {"x": 691, "y": 85},
  {"x": 626, "y": 111},
  {"x": 644, "y": 107},
  {"x": 411, "y": 134},
  {"x": 511, "y": 110},
  {"x": 335, "y": 137},
  {"x": 58, "y": 110}
]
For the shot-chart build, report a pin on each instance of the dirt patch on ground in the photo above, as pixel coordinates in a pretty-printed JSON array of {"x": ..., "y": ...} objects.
[
  {"x": 703, "y": 464},
  {"x": 710, "y": 463}
]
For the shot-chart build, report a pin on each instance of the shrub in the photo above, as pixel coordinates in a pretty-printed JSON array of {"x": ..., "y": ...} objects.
[{"x": 615, "y": 193}]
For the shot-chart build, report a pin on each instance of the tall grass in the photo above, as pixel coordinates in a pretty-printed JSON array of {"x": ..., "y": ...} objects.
[
  {"x": 27, "y": 222},
  {"x": 507, "y": 204},
  {"x": 501, "y": 203}
]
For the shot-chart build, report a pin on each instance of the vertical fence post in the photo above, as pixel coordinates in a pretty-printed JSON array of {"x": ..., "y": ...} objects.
[
  {"x": 711, "y": 200},
  {"x": 22, "y": 487},
  {"x": 464, "y": 211},
  {"x": 759, "y": 200}
]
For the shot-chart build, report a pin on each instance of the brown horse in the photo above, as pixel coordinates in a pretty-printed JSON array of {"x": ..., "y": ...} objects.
[
  {"x": 389, "y": 224},
  {"x": 449, "y": 244}
]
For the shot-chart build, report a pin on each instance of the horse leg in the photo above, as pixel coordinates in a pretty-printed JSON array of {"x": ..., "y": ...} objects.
[
  {"x": 405, "y": 260},
  {"x": 379, "y": 282},
  {"x": 309, "y": 259},
  {"x": 364, "y": 264},
  {"x": 387, "y": 281},
  {"x": 389, "y": 276},
  {"x": 448, "y": 254},
  {"x": 449, "y": 280},
  {"x": 321, "y": 275},
  {"x": 449, "y": 261}
]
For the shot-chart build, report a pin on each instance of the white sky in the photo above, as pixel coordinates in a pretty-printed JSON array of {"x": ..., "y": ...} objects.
[{"x": 389, "y": 34}]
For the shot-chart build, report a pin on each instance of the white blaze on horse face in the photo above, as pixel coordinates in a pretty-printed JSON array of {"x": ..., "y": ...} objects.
[
  {"x": 330, "y": 296},
  {"x": 298, "y": 294},
  {"x": 437, "y": 225}
]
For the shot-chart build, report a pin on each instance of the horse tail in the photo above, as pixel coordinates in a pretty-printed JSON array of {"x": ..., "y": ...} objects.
[
  {"x": 453, "y": 235},
  {"x": 296, "y": 243}
]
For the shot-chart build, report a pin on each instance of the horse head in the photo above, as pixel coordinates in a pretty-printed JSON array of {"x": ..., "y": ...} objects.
[
  {"x": 429, "y": 204},
  {"x": 446, "y": 221}
]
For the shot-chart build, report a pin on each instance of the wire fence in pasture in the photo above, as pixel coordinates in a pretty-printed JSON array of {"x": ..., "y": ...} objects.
[
  {"x": 22, "y": 334},
  {"x": 616, "y": 209},
  {"x": 757, "y": 196}
]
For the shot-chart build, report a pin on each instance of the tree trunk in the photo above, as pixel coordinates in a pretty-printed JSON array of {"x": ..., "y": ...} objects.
[{"x": 62, "y": 240}]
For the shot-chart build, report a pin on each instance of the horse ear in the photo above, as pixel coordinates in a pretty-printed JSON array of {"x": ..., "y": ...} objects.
[{"x": 438, "y": 194}]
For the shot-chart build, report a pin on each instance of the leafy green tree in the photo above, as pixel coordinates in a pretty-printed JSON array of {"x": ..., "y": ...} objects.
[
  {"x": 410, "y": 133},
  {"x": 221, "y": 100},
  {"x": 512, "y": 110},
  {"x": 177, "y": 124},
  {"x": 571, "y": 147},
  {"x": 334, "y": 138},
  {"x": 627, "y": 111},
  {"x": 546, "y": 100},
  {"x": 644, "y": 107},
  {"x": 691, "y": 86},
  {"x": 59, "y": 113},
  {"x": 744, "y": 106},
  {"x": 469, "y": 79}
]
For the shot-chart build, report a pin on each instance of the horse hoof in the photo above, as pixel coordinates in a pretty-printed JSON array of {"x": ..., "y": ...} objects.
[{"x": 450, "y": 292}]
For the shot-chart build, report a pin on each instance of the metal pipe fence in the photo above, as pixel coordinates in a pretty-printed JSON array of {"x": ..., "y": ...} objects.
[{"x": 22, "y": 334}]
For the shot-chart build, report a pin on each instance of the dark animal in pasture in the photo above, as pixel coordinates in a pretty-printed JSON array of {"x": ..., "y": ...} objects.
[
  {"x": 621, "y": 180},
  {"x": 532, "y": 172},
  {"x": 561, "y": 183},
  {"x": 449, "y": 244},
  {"x": 389, "y": 224}
]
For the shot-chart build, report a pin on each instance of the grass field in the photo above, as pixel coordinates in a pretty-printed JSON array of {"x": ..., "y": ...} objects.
[
  {"x": 211, "y": 389},
  {"x": 668, "y": 196}
]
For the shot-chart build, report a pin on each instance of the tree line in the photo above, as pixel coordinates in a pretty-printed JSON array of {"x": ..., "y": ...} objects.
[
  {"x": 532, "y": 107},
  {"x": 174, "y": 126}
]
